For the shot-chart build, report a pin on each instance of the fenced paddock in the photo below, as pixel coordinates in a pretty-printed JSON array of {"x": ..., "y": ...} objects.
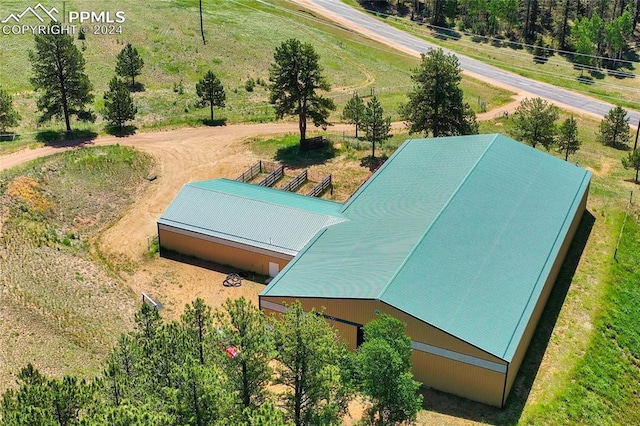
[
  {"x": 277, "y": 171},
  {"x": 321, "y": 187},
  {"x": 250, "y": 173},
  {"x": 272, "y": 177},
  {"x": 296, "y": 183}
]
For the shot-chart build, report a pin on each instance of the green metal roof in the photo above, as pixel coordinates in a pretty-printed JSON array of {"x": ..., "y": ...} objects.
[
  {"x": 262, "y": 217},
  {"x": 459, "y": 232}
]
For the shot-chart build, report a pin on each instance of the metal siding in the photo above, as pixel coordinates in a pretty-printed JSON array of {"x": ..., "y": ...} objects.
[
  {"x": 348, "y": 333},
  {"x": 458, "y": 378},
  {"x": 440, "y": 373},
  {"x": 426, "y": 333},
  {"x": 209, "y": 238},
  {"x": 218, "y": 253},
  {"x": 362, "y": 311},
  {"x": 542, "y": 301},
  {"x": 357, "y": 311}
]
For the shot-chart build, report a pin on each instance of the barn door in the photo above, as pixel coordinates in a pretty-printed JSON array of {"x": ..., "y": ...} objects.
[{"x": 274, "y": 268}]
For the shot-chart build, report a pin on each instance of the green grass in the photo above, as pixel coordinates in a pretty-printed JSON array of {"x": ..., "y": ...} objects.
[
  {"x": 604, "y": 384},
  {"x": 241, "y": 38},
  {"x": 557, "y": 70},
  {"x": 62, "y": 309},
  {"x": 583, "y": 364}
]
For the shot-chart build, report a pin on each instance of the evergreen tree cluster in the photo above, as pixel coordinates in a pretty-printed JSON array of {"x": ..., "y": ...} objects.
[
  {"x": 599, "y": 28},
  {"x": 65, "y": 90},
  {"x": 233, "y": 366}
]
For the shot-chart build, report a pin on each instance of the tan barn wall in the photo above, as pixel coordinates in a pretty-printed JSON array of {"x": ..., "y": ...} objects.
[
  {"x": 458, "y": 378},
  {"x": 440, "y": 372},
  {"x": 218, "y": 252},
  {"x": 544, "y": 296}
]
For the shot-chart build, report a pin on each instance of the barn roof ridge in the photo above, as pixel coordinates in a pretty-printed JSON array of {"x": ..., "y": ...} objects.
[
  {"x": 424, "y": 235},
  {"x": 266, "y": 189},
  {"x": 434, "y": 231}
]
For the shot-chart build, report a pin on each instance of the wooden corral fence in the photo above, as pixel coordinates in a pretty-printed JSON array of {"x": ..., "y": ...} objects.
[
  {"x": 250, "y": 173},
  {"x": 296, "y": 183},
  {"x": 272, "y": 177},
  {"x": 321, "y": 187}
]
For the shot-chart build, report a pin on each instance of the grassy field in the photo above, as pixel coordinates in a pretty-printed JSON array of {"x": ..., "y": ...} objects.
[
  {"x": 582, "y": 364},
  {"x": 241, "y": 38},
  {"x": 620, "y": 87},
  {"x": 60, "y": 307}
]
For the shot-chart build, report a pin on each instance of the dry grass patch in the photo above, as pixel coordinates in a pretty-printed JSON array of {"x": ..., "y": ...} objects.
[{"x": 60, "y": 309}]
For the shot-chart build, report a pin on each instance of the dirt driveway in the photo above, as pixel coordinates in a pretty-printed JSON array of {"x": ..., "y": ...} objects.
[{"x": 181, "y": 156}]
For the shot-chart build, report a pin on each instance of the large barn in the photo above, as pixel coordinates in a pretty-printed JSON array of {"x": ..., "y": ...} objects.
[{"x": 461, "y": 238}]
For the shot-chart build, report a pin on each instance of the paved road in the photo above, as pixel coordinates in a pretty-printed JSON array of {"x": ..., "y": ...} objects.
[{"x": 548, "y": 91}]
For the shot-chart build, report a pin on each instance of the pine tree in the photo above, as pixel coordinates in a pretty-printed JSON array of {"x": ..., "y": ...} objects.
[
  {"x": 118, "y": 104},
  {"x": 568, "y": 141},
  {"x": 211, "y": 92},
  {"x": 376, "y": 125},
  {"x": 384, "y": 366},
  {"x": 9, "y": 117},
  {"x": 353, "y": 111},
  {"x": 58, "y": 68},
  {"x": 295, "y": 77},
  {"x": 436, "y": 103},
  {"x": 243, "y": 327},
  {"x": 535, "y": 122},
  {"x": 129, "y": 63},
  {"x": 197, "y": 322},
  {"x": 632, "y": 161},
  {"x": 614, "y": 128},
  {"x": 308, "y": 354}
]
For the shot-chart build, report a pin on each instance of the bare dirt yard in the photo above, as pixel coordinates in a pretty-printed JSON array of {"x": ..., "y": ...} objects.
[{"x": 181, "y": 156}]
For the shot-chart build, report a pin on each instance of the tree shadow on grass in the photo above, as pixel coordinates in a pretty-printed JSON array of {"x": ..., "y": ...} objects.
[
  {"x": 293, "y": 156},
  {"x": 121, "y": 132},
  {"x": 215, "y": 122},
  {"x": 138, "y": 87},
  {"x": 594, "y": 73},
  {"x": 585, "y": 79},
  {"x": 63, "y": 139},
  {"x": 620, "y": 75},
  {"x": 512, "y": 411},
  {"x": 621, "y": 147},
  {"x": 446, "y": 34},
  {"x": 373, "y": 163}
]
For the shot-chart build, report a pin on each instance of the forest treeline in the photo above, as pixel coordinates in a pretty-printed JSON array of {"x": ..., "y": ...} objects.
[{"x": 597, "y": 31}]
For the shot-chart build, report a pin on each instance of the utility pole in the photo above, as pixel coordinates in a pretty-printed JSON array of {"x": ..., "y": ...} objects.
[
  {"x": 201, "y": 25},
  {"x": 635, "y": 144}
]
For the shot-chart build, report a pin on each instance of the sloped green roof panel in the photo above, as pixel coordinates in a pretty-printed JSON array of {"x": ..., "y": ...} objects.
[
  {"x": 387, "y": 217},
  {"x": 479, "y": 270},
  {"x": 262, "y": 217},
  {"x": 459, "y": 232},
  {"x": 271, "y": 196}
]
